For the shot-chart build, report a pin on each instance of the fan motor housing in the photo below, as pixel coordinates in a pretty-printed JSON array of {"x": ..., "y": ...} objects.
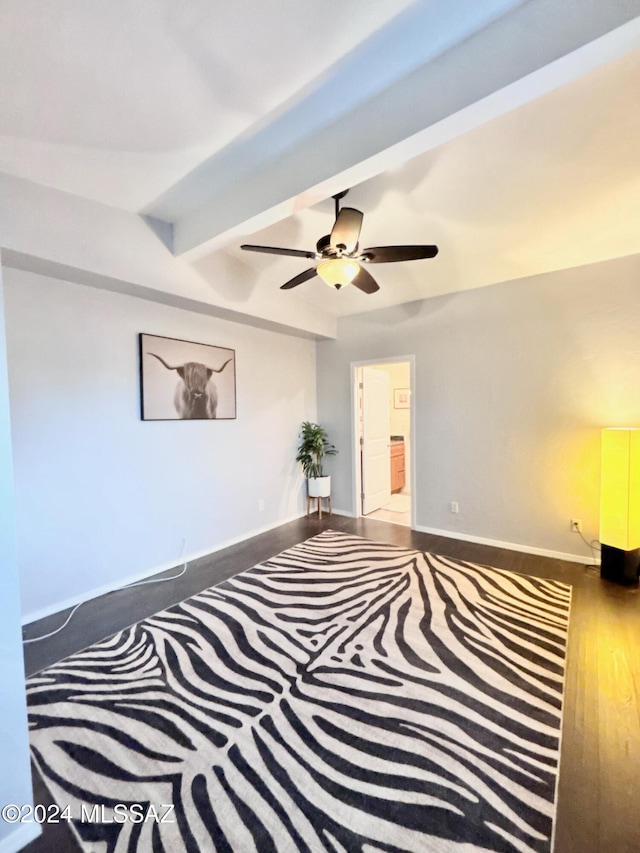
[{"x": 323, "y": 243}]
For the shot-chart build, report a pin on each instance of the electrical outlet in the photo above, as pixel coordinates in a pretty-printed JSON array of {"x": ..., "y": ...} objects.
[
  {"x": 261, "y": 505},
  {"x": 576, "y": 525},
  {"x": 454, "y": 506}
]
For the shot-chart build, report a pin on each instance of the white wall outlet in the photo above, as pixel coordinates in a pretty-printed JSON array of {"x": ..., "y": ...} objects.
[
  {"x": 454, "y": 506},
  {"x": 576, "y": 525},
  {"x": 261, "y": 505}
]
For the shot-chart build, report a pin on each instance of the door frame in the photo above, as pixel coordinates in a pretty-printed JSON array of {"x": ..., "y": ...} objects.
[{"x": 355, "y": 438}]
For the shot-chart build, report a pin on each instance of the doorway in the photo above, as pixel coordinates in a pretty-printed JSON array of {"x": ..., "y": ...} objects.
[{"x": 383, "y": 433}]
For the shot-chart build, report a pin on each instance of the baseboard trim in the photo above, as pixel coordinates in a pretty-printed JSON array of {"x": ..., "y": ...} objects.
[
  {"x": 61, "y": 606},
  {"x": 509, "y": 546},
  {"x": 20, "y": 837},
  {"x": 495, "y": 543}
]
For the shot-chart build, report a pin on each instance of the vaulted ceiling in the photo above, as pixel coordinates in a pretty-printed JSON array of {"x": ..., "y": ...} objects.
[{"x": 506, "y": 132}]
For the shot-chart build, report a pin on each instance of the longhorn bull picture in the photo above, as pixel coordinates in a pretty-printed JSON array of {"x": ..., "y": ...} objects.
[{"x": 196, "y": 395}]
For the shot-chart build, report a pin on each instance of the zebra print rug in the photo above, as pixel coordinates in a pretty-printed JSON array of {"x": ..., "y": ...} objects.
[{"x": 346, "y": 695}]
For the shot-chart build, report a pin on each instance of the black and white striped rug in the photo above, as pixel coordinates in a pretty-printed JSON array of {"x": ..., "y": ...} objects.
[{"x": 346, "y": 695}]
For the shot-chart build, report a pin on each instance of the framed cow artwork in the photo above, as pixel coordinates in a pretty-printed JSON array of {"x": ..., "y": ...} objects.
[{"x": 182, "y": 380}]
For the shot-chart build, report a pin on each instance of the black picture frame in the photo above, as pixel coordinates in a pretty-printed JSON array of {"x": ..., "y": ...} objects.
[{"x": 185, "y": 380}]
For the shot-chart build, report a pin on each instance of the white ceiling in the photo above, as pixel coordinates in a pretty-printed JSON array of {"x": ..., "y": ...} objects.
[
  {"x": 116, "y": 100},
  {"x": 551, "y": 185},
  {"x": 178, "y": 109}
]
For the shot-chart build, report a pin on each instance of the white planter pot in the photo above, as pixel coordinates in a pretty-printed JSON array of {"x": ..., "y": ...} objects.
[{"x": 319, "y": 487}]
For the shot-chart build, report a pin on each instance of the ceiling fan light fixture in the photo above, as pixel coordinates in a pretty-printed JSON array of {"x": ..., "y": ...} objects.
[
  {"x": 338, "y": 272},
  {"x": 338, "y": 256}
]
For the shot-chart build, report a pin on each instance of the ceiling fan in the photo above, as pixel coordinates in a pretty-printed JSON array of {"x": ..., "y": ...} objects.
[{"x": 341, "y": 261}]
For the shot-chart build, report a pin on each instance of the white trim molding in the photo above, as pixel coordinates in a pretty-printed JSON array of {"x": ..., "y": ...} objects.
[
  {"x": 60, "y": 606},
  {"x": 510, "y": 546}
]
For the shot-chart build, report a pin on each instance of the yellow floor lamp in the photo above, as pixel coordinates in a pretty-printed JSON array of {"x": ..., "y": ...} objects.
[{"x": 620, "y": 505}]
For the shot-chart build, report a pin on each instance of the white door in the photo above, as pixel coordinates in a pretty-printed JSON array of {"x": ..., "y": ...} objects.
[{"x": 376, "y": 452}]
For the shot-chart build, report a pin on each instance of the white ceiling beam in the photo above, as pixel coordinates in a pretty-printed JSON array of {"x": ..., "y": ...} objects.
[
  {"x": 52, "y": 233},
  {"x": 308, "y": 153}
]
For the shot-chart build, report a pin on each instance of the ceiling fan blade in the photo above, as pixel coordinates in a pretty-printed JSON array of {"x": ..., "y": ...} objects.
[
  {"x": 346, "y": 229},
  {"x": 388, "y": 254},
  {"x": 365, "y": 281},
  {"x": 273, "y": 250},
  {"x": 303, "y": 276}
]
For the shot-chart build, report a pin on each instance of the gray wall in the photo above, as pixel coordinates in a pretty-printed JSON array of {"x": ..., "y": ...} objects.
[
  {"x": 513, "y": 383},
  {"x": 15, "y": 778},
  {"x": 103, "y": 497}
]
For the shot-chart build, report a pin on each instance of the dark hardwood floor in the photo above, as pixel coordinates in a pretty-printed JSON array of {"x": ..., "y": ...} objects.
[{"x": 599, "y": 789}]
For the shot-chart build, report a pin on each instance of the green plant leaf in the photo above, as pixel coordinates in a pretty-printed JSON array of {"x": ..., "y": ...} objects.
[{"x": 314, "y": 446}]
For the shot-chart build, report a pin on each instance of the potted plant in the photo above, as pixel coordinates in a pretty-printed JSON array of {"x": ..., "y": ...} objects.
[{"x": 314, "y": 446}]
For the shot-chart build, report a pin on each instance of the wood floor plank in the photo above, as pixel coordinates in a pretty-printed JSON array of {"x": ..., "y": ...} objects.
[{"x": 599, "y": 784}]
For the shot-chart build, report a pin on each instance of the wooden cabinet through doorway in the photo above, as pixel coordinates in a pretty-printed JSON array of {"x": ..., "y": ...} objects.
[{"x": 397, "y": 466}]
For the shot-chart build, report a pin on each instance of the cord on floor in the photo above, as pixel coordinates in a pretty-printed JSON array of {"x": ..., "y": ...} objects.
[{"x": 118, "y": 589}]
